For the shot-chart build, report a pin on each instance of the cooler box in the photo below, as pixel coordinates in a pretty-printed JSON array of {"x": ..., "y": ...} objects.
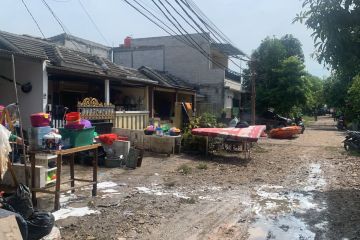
[
  {"x": 77, "y": 138},
  {"x": 36, "y": 137}
]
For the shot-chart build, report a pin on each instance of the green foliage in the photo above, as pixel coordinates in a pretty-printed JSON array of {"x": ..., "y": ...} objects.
[
  {"x": 336, "y": 32},
  {"x": 354, "y": 99},
  {"x": 335, "y": 91},
  {"x": 291, "y": 87},
  {"x": 202, "y": 166},
  {"x": 293, "y": 47},
  {"x": 315, "y": 93},
  {"x": 198, "y": 143},
  {"x": 281, "y": 80},
  {"x": 206, "y": 120},
  {"x": 184, "y": 169}
]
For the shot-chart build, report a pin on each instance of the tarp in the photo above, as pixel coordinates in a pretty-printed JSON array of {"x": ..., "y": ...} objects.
[{"x": 250, "y": 134}]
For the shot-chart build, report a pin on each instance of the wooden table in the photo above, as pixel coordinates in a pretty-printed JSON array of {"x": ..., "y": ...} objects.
[{"x": 58, "y": 183}]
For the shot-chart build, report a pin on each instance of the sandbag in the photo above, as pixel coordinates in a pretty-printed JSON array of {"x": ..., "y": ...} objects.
[
  {"x": 40, "y": 224},
  {"x": 21, "y": 201},
  {"x": 6, "y": 210}
]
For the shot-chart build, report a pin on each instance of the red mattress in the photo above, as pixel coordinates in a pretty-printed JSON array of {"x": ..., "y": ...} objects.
[{"x": 251, "y": 133}]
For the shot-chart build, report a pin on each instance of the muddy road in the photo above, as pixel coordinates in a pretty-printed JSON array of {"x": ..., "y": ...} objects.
[{"x": 306, "y": 188}]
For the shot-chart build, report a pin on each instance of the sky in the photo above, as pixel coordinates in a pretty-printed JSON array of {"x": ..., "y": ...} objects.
[{"x": 245, "y": 22}]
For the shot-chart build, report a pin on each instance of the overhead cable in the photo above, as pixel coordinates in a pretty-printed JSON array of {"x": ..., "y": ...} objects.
[
  {"x": 33, "y": 18},
  {"x": 93, "y": 22}
]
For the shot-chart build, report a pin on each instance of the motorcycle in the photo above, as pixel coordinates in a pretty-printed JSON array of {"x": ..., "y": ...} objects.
[
  {"x": 352, "y": 141},
  {"x": 299, "y": 122},
  {"x": 341, "y": 123}
]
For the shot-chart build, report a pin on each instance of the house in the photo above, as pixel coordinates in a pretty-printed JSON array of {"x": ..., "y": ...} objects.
[
  {"x": 81, "y": 45},
  {"x": 221, "y": 87},
  {"x": 61, "y": 76}
]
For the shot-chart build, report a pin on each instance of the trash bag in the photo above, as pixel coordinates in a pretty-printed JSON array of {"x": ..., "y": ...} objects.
[
  {"x": 21, "y": 201},
  {"x": 40, "y": 224},
  {"x": 19, "y": 219},
  {"x": 242, "y": 124},
  {"x": 233, "y": 122},
  {"x": 22, "y": 225}
]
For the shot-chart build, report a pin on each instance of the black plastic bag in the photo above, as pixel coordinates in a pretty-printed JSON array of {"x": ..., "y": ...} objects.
[
  {"x": 21, "y": 201},
  {"x": 19, "y": 219},
  {"x": 40, "y": 224}
]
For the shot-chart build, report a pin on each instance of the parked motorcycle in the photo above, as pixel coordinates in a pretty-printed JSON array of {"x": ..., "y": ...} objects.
[
  {"x": 341, "y": 123},
  {"x": 352, "y": 141},
  {"x": 299, "y": 122}
]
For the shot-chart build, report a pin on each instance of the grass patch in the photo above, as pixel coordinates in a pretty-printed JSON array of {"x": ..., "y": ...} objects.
[
  {"x": 353, "y": 153},
  {"x": 184, "y": 169},
  {"x": 307, "y": 120},
  {"x": 333, "y": 149},
  {"x": 259, "y": 149},
  {"x": 202, "y": 166}
]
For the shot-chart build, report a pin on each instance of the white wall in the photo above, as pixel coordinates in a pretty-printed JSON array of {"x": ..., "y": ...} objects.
[
  {"x": 102, "y": 52},
  {"x": 228, "y": 98},
  {"x": 26, "y": 71}
]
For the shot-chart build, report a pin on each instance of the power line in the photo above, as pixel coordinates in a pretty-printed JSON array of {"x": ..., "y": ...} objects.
[
  {"x": 189, "y": 34},
  {"x": 207, "y": 21},
  {"x": 173, "y": 34},
  {"x": 33, "y": 18},
  {"x": 62, "y": 25},
  {"x": 181, "y": 34},
  {"x": 54, "y": 15},
  {"x": 162, "y": 22},
  {"x": 93, "y": 22}
]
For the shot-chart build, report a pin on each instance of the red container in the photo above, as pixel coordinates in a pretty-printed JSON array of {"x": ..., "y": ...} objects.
[
  {"x": 127, "y": 42},
  {"x": 73, "y": 117},
  {"x": 121, "y": 138},
  {"x": 40, "y": 119}
]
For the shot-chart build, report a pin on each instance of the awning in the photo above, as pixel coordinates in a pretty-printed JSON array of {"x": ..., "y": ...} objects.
[{"x": 250, "y": 134}]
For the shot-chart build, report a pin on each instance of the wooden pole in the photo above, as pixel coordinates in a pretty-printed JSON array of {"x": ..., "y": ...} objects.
[
  {"x": 20, "y": 122},
  {"x": 253, "y": 94}
]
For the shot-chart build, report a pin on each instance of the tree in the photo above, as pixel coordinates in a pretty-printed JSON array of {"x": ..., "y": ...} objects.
[
  {"x": 279, "y": 71},
  {"x": 335, "y": 91},
  {"x": 354, "y": 98},
  {"x": 292, "y": 46},
  {"x": 291, "y": 88},
  {"x": 336, "y": 32},
  {"x": 315, "y": 97}
]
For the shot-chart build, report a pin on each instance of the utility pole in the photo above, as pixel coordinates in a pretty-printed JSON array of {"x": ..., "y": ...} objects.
[{"x": 253, "y": 92}]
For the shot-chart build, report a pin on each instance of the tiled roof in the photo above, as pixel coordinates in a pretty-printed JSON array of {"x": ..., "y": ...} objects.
[
  {"x": 23, "y": 44},
  {"x": 65, "y": 36},
  {"x": 164, "y": 78},
  {"x": 64, "y": 57}
]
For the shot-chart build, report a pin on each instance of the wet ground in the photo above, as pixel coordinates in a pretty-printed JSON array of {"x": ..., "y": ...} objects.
[{"x": 306, "y": 188}]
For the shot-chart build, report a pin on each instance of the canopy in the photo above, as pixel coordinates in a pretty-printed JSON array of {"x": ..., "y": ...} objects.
[{"x": 251, "y": 133}]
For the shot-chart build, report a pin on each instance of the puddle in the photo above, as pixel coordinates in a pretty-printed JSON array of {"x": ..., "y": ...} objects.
[
  {"x": 315, "y": 180},
  {"x": 158, "y": 191},
  {"x": 280, "y": 227},
  {"x": 110, "y": 190},
  {"x": 103, "y": 185},
  {"x": 277, "y": 210},
  {"x": 73, "y": 212}
]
